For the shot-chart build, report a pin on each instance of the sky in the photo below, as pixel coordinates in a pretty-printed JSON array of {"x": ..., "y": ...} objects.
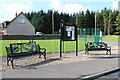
[{"x": 8, "y": 8}]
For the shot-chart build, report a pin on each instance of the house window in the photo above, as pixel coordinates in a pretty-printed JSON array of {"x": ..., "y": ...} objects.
[{"x": 21, "y": 21}]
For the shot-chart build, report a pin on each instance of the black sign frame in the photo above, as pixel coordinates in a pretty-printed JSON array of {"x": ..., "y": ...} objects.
[
  {"x": 68, "y": 36},
  {"x": 69, "y": 32}
]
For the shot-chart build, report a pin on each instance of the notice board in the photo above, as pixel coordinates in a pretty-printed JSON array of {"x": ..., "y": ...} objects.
[{"x": 69, "y": 32}]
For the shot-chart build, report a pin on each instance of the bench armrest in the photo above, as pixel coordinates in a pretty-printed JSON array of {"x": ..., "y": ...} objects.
[
  {"x": 42, "y": 50},
  {"x": 108, "y": 47}
]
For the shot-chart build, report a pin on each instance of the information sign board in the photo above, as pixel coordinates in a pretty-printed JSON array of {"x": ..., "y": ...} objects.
[{"x": 69, "y": 32}]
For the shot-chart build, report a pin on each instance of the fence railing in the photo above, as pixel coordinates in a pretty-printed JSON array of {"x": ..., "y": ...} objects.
[{"x": 29, "y": 37}]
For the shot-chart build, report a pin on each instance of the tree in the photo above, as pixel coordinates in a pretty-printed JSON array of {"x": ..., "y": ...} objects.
[
  {"x": 99, "y": 21},
  {"x": 110, "y": 23},
  {"x": 43, "y": 20},
  {"x": 81, "y": 20},
  {"x": 105, "y": 19},
  {"x": 117, "y": 23}
]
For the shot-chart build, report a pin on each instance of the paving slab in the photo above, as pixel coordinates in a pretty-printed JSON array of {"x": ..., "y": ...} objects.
[{"x": 71, "y": 70}]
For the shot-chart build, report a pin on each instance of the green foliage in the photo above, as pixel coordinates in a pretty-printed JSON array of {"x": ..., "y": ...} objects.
[
  {"x": 116, "y": 33},
  {"x": 104, "y": 19},
  {"x": 117, "y": 23}
]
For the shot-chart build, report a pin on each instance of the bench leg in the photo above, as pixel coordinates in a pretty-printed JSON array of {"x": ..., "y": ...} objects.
[
  {"x": 86, "y": 52},
  {"x": 8, "y": 61},
  {"x": 39, "y": 55},
  {"x": 11, "y": 60},
  {"x": 107, "y": 52},
  {"x": 12, "y": 63},
  {"x": 110, "y": 52},
  {"x": 44, "y": 56}
]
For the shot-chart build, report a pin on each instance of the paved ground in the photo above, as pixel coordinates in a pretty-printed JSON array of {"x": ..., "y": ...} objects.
[
  {"x": 72, "y": 70},
  {"x": 76, "y": 70}
]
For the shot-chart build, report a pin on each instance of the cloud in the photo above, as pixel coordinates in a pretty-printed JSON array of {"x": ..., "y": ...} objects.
[
  {"x": 55, "y": 3},
  {"x": 115, "y": 5},
  {"x": 8, "y": 11},
  {"x": 29, "y": 2},
  {"x": 67, "y": 8},
  {"x": 15, "y": 7},
  {"x": 73, "y": 8}
]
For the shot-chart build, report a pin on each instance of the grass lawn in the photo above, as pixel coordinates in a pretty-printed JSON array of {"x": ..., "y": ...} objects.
[
  {"x": 112, "y": 38},
  {"x": 51, "y": 46}
]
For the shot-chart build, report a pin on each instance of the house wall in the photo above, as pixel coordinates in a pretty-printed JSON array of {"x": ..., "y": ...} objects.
[
  {"x": 119, "y": 6},
  {"x": 16, "y": 28}
]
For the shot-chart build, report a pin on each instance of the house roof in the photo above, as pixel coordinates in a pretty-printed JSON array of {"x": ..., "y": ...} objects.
[{"x": 17, "y": 17}]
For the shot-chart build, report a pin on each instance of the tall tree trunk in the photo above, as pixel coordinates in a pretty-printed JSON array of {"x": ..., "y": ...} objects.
[{"x": 105, "y": 27}]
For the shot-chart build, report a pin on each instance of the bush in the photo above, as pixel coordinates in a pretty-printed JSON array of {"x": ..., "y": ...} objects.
[{"x": 116, "y": 33}]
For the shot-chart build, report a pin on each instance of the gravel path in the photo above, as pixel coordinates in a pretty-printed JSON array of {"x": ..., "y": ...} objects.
[{"x": 33, "y": 62}]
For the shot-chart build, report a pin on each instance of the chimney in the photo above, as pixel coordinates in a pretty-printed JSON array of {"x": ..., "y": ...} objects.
[{"x": 16, "y": 14}]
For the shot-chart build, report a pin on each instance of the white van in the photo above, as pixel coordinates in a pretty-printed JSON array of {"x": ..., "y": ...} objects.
[{"x": 39, "y": 33}]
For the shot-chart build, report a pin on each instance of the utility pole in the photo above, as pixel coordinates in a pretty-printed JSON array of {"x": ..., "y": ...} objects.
[
  {"x": 95, "y": 23},
  {"x": 53, "y": 21},
  {"x": 77, "y": 19},
  {"x": 119, "y": 6}
]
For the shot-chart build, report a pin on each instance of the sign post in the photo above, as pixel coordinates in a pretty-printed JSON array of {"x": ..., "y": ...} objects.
[
  {"x": 68, "y": 33},
  {"x": 100, "y": 36}
]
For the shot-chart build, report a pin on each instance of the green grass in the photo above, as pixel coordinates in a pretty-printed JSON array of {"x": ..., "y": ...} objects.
[
  {"x": 111, "y": 38},
  {"x": 52, "y": 46},
  {"x": 89, "y": 38},
  {"x": 106, "y": 38}
]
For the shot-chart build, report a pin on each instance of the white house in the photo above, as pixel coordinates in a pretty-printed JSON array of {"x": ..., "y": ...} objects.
[{"x": 20, "y": 25}]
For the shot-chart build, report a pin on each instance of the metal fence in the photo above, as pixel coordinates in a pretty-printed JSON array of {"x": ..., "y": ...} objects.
[
  {"x": 43, "y": 40},
  {"x": 82, "y": 32}
]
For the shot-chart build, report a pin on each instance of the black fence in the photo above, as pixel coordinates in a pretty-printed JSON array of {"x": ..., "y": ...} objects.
[{"x": 29, "y": 37}]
